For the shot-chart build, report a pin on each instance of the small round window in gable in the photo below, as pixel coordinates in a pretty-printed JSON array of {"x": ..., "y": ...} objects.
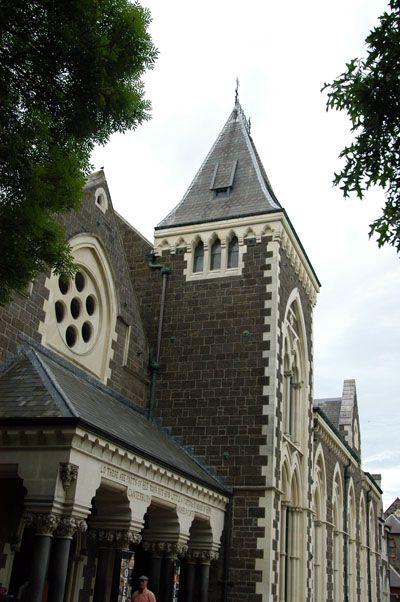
[
  {"x": 101, "y": 201},
  {"x": 77, "y": 312}
]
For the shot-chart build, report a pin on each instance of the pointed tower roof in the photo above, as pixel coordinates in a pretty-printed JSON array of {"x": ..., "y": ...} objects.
[{"x": 230, "y": 183}]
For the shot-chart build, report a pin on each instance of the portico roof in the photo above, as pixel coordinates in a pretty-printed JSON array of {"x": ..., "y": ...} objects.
[{"x": 37, "y": 385}]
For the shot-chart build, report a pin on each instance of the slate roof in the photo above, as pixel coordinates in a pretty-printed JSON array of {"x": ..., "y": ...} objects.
[
  {"x": 331, "y": 408},
  {"x": 394, "y": 523},
  {"x": 233, "y": 164},
  {"x": 37, "y": 384}
]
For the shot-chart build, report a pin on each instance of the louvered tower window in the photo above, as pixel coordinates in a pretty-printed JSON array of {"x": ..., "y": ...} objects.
[
  {"x": 233, "y": 253},
  {"x": 216, "y": 255},
  {"x": 198, "y": 259}
]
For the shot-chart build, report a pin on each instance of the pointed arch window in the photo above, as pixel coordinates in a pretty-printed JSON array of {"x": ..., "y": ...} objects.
[
  {"x": 216, "y": 255},
  {"x": 198, "y": 259},
  {"x": 233, "y": 253}
]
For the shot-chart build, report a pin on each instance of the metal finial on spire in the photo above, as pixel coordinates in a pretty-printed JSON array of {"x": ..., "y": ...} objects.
[{"x": 237, "y": 91}]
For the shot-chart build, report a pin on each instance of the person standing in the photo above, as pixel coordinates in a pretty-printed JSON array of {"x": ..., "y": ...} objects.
[{"x": 142, "y": 594}]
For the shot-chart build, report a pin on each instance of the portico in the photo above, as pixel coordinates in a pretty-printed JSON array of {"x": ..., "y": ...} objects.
[{"x": 80, "y": 500}]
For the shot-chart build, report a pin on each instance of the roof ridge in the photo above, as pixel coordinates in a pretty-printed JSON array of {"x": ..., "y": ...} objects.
[
  {"x": 198, "y": 171},
  {"x": 52, "y": 381},
  {"x": 250, "y": 146}
]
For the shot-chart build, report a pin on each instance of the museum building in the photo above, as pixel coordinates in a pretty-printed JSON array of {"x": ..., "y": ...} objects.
[{"x": 157, "y": 411}]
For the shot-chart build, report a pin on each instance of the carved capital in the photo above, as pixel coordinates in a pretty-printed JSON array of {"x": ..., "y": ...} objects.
[
  {"x": 203, "y": 556},
  {"x": 68, "y": 526},
  {"x": 114, "y": 538},
  {"x": 173, "y": 550},
  {"x": 68, "y": 474},
  {"x": 44, "y": 524}
]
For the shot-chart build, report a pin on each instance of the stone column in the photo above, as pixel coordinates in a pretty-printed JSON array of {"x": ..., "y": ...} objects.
[
  {"x": 190, "y": 576},
  {"x": 157, "y": 552},
  {"x": 60, "y": 556},
  {"x": 204, "y": 573},
  {"x": 110, "y": 543},
  {"x": 45, "y": 525},
  {"x": 172, "y": 551}
]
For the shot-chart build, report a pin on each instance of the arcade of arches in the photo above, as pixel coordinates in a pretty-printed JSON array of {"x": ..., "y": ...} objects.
[{"x": 70, "y": 530}]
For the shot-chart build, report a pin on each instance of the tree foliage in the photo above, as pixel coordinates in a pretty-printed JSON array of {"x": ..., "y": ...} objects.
[
  {"x": 70, "y": 75},
  {"x": 369, "y": 92}
]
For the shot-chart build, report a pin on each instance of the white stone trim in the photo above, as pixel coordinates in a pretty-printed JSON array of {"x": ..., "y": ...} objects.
[
  {"x": 253, "y": 226},
  {"x": 91, "y": 259},
  {"x": 266, "y": 501},
  {"x": 101, "y": 199}
]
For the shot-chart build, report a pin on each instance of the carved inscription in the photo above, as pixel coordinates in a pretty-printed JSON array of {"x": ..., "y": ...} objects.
[{"x": 139, "y": 489}]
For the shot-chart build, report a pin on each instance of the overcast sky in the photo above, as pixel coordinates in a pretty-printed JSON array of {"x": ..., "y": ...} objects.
[{"x": 282, "y": 52}]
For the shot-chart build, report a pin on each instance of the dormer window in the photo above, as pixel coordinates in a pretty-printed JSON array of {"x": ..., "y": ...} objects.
[
  {"x": 233, "y": 253},
  {"x": 222, "y": 179},
  {"x": 216, "y": 255},
  {"x": 198, "y": 259}
]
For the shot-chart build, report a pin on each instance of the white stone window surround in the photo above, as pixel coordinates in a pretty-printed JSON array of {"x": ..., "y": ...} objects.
[
  {"x": 95, "y": 354},
  {"x": 223, "y": 270},
  {"x": 101, "y": 199}
]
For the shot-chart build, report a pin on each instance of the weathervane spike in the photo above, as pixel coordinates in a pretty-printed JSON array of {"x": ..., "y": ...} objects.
[{"x": 237, "y": 91}]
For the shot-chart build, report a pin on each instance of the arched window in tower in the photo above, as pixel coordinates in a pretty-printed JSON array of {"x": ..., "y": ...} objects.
[
  {"x": 215, "y": 263},
  {"x": 294, "y": 391},
  {"x": 233, "y": 253},
  {"x": 198, "y": 259},
  {"x": 287, "y": 394}
]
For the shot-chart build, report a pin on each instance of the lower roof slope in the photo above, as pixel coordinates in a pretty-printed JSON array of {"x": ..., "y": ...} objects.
[{"x": 38, "y": 385}]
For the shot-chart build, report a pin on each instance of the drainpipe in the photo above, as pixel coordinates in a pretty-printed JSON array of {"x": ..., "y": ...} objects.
[
  {"x": 155, "y": 362},
  {"x": 346, "y": 535}
]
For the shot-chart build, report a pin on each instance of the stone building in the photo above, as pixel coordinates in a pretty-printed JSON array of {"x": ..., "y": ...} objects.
[{"x": 157, "y": 412}]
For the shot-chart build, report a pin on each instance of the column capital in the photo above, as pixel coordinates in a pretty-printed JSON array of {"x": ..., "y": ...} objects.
[
  {"x": 114, "y": 538},
  {"x": 165, "y": 548},
  {"x": 68, "y": 474},
  {"x": 44, "y": 524},
  {"x": 203, "y": 556},
  {"x": 173, "y": 550},
  {"x": 68, "y": 526}
]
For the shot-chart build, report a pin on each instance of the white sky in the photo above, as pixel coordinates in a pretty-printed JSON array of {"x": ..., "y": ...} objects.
[{"x": 282, "y": 52}]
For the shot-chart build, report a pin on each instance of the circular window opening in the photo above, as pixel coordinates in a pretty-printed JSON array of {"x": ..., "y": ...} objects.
[
  {"x": 90, "y": 305},
  {"x": 60, "y": 311},
  {"x": 71, "y": 336},
  {"x": 79, "y": 281},
  {"x": 63, "y": 285},
  {"x": 86, "y": 331},
  {"x": 75, "y": 308}
]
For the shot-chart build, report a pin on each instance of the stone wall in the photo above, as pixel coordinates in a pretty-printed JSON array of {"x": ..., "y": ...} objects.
[{"x": 25, "y": 313}]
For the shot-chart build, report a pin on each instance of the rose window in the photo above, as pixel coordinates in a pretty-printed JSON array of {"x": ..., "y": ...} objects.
[{"x": 77, "y": 312}]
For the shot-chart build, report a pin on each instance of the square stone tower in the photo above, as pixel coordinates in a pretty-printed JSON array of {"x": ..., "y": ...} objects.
[{"x": 235, "y": 375}]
